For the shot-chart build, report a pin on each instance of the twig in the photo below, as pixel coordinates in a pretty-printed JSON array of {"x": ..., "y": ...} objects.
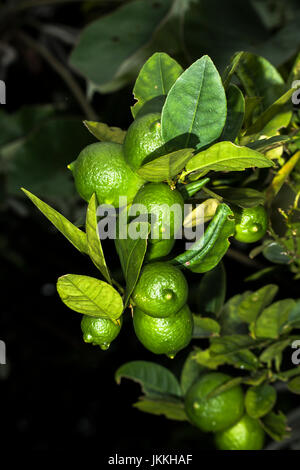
[
  {"x": 244, "y": 259},
  {"x": 64, "y": 74}
]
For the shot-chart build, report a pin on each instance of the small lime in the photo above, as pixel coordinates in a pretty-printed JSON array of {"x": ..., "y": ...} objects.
[
  {"x": 246, "y": 434},
  {"x": 217, "y": 412},
  {"x": 164, "y": 335},
  {"x": 251, "y": 224},
  {"x": 161, "y": 289},
  {"x": 100, "y": 331}
]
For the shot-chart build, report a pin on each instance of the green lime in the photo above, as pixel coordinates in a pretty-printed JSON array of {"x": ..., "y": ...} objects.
[
  {"x": 161, "y": 290},
  {"x": 246, "y": 434},
  {"x": 159, "y": 250},
  {"x": 100, "y": 331},
  {"x": 164, "y": 335},
  {"x": 101, "y": 168},
  {"x": 217, "y": 412},
  {"x": 251, "y": 224},
  {"x": 143, "y": 141},
  {"x": 163, "y": 205}
]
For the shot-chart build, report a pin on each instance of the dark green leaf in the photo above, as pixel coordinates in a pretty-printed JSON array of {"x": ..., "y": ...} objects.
[
  {"x": 274, "y": 350},
  {"x": 94, "y": 244},
  {"x": 211, "y": 293},
  {"x": 265, "y": 144},
  {"x": 235, "y": 350},
  {"x": 194, "y": 95},
  {"x": 166, "y": 167},
  {"x": 190, "y": 372},
  {"x": 72, "y": 233},
  {"x": 155, "y": 79},
  {"x": 242, "y": 197},
  {"x": 230, "y": 320},
  {"x": 294, "y": 385},
  {"x": 276, "y": 426},
  {"x": 152, "y": 377},
  {"x": 260, "y": 400},
  {"x": 235, "y": 113},
  {"x": 294, "y": 315},
  {"x": 276, "y": 253},
  {"x": 87, "y": 295},
  {"x": 208, "y": 251},
  {"x": 270, "y": 323},
  {"x": 226, "y": 156},
  {"x": 260, "y": 78},
  {"x": 170, "y": 409},
  {"x": 252, "y": 306},
  {"x": 205, "y": 327},
  {"x": 105, "y": 133},
  {"x": 270, "y": 113},
  {"x": 116, "y": 39}
]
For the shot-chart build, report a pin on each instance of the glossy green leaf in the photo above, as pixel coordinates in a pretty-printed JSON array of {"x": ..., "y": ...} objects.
[
  {"x": 276, "y": 425},
  {"x": 194, "y": 95},
  {"x": 207, "y": 252},
  {"x": 242, "y": 197},
  {"x": 210, "y": 294},
  {"x": 95, "y": 250},
  {"x": 260, "y": 78},
  {"x": 253, "y": 305},
  {"x": 226, "y": 156},
  {"x": 90, "y": 296},
  {"x": 269, "y": 324},
  {"x": 235, "y": 113},
  {"x": 280, "y": 121},
  {"x": 294, "y": 385},
  {"x": 116, "y": 39},
  {"x": 166, "y": 167},
  {"x": 72, "y": 233},
  {"x": 155, "y": 79},
  {"x": 190, "y": 372},
  {"x": 170, "y": 409},
  {"x": 205, "y": 327},
  {"x": 103, "y": 132},
  {"x": 151, "y": 376},
  {"x": 260, "y": 400},
  {"x": 207, "y": 360},
  {"x": 235, "y": 349}
]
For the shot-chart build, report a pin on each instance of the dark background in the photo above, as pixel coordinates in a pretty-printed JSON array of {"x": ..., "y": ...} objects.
[{"x": 55, "y": 391}]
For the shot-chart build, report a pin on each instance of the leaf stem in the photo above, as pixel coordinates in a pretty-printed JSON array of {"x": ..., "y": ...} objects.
[
  {"x": 212, "y": 194},
  {"x": 63, "y": 72}
]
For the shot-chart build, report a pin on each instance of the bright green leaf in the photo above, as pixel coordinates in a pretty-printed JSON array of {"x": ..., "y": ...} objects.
[
  {"x": 199, "y": 96},
  {"x": 166, "y": 167},
  {"x": 105, "y": 133},
  {"x": 260, "y": 400},
  {"x": 252, "y": 306},
  {"x": 205, "y": 327},
  {"x": 170, "y": 409},
  {"x": 90, "y": 296},
  {"x": 269, "y": 324}
]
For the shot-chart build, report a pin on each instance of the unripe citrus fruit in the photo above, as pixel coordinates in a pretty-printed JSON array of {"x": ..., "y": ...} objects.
[
  {"x": 164, "y": 335},
  {"x": 143, "y": 141},
  {"x": 217, "y": 412},
  {"x": 251, "y": 224},
  {"x": 161, "y": 289},
  {"x": 159, "y": 250},
  {"x": 100, "y": 331},
  {"x": 164, "y": 205},
  {"x": 246, "y": 434},
  {"x": 101, "y": 168}
]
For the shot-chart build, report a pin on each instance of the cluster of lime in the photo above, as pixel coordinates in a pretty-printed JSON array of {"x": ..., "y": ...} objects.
[
  {"x": 223, "y": 413},
  {"x": 161, "y": 317}
]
